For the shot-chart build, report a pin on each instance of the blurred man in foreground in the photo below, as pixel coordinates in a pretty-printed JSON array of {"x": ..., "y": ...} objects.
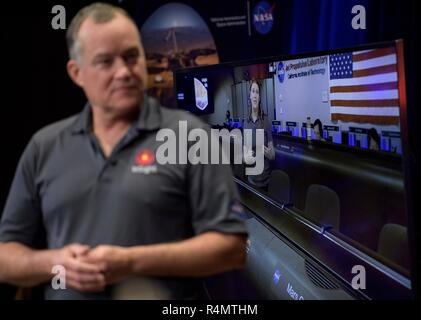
[{"x": 89, "y": 195}]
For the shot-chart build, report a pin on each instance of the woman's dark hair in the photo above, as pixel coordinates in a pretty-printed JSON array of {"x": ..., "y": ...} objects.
[
  {"x": 260, "y": 113},
  {"x": 372, "y": 133},
  {"x": 317, "y": 122}
]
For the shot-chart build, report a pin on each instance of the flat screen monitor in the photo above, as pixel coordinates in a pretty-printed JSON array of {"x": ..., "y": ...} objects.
[
  {"x": 291, "y": 128},
  {"x": 391, "y": 142},
  {"x": 358, "y": 137},
  {"x": 195, "y": 94},
  {"x": 346, "y": 179},
  {"x": 276, "y": 126}
]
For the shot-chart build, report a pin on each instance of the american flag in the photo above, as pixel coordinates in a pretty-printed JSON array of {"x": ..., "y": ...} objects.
[{"x": 364, "y": 87}]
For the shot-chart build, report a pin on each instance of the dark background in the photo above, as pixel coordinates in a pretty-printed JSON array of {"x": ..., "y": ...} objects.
[{"x": 37, "y": 91}]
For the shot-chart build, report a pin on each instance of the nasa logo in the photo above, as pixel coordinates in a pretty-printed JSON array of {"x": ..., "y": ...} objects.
[
  {"x": 276, "y": 276},
  {"x": 281, "y": 72},
  {"x": 263, "y": 17}
]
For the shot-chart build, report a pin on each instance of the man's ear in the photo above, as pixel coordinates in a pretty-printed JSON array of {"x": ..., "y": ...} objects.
[{"x": 73, "y": 70}]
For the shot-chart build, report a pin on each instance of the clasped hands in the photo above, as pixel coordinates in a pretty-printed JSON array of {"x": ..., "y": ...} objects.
[{"x": 91, "y": 269}]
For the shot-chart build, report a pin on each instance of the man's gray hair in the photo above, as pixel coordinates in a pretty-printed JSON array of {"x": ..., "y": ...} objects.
[{"x": 100, "y": 13}]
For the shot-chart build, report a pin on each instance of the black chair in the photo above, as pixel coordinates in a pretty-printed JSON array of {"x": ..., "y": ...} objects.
[
  {"x": 279, "y": 186},
  {"x": 393, "y": 244},
  {"x": 322, "y": 206}
]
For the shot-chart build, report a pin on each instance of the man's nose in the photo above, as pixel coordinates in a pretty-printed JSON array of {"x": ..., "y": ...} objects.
[{"x": 122, "y": 69}]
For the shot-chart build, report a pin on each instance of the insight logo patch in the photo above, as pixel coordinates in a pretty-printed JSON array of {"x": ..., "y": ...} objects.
[{"x": 144, "y": 162}]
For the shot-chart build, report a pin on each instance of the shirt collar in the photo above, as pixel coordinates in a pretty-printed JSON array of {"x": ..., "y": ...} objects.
[
  {"x": 83, "y": 120},
  {"x": 250, "y": 120},
  {"x": 150, "y": 115},
  {"x": 149, "y": 118}
]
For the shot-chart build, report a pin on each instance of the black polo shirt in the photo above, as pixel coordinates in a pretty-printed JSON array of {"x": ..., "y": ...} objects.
[{"x": 66, "y": 191}]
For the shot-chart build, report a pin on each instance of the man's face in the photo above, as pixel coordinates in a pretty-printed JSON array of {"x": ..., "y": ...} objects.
[{"x": 112, "y": 69}]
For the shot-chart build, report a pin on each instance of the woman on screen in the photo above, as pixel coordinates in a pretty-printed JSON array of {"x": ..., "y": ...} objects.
[
  {"x": 258, "y": 120},
  {"x": 318, "y": 130},
  {"x": 373, "y": 140}
]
